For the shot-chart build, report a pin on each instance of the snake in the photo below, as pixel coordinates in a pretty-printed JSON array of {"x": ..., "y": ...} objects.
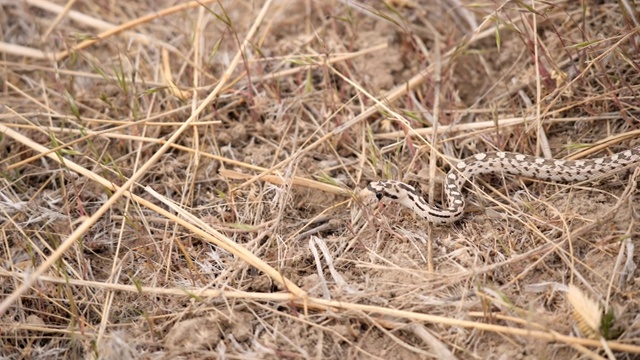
[{"x": 496, "y": 163}]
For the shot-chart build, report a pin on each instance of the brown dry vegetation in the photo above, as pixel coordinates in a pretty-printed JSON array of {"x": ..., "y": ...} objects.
[{"x": 181, "y": 182}]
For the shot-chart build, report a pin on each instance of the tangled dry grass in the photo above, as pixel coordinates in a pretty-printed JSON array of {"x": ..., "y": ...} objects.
[{"x": 179, "y": 180}]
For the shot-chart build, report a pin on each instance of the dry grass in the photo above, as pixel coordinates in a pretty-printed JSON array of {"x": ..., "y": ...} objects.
[{"x": 182, "y": 185}]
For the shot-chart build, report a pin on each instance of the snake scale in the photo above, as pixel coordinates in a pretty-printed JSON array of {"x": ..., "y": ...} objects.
[{"x": 497, "y": 163}]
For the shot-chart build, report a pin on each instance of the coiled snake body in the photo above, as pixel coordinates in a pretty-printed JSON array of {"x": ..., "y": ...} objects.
[{"x": 497, "y": 163}]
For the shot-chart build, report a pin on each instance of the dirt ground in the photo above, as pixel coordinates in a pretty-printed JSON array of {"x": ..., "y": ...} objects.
[{"x": 183, "y": 180}]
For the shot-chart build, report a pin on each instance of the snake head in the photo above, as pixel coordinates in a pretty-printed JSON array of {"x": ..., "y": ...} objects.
[
  {"x": 407, "y": 196},
  {"x": 391, "y": 189},
  {"x": 377, "y": 189}
]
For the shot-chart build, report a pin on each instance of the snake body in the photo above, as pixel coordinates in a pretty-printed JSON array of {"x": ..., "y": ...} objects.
[{"x": 497, "y": 163}]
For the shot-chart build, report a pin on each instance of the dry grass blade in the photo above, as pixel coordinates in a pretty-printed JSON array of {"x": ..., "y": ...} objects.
[{"x": 125, "y": 187}]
